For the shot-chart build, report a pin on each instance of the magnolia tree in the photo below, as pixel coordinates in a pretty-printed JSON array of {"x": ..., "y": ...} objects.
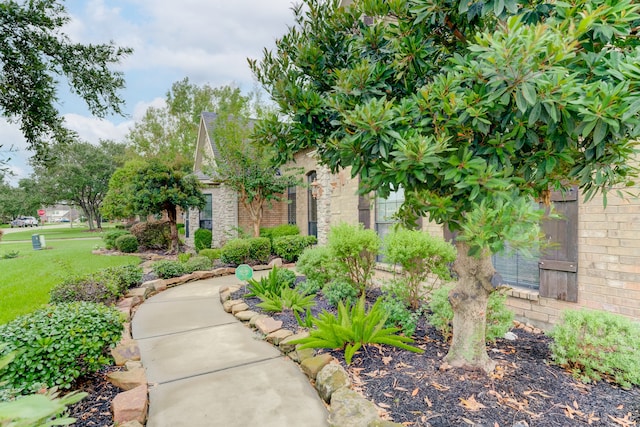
[{"x": 474, "y": 108}]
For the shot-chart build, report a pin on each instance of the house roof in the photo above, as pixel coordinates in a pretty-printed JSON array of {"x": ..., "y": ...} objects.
[{"x": 209, "y": 121}]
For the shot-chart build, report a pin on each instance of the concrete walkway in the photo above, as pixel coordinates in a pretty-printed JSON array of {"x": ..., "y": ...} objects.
[{"x": 205, "y": 368}]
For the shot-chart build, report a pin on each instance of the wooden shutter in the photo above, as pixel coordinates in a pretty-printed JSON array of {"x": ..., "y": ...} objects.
[
  {"x": 364, "y": 211},
  {"x": 559, "y": 263}
]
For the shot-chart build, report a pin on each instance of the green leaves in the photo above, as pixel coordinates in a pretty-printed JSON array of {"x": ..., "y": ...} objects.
[{"x": 352, "y": 328}]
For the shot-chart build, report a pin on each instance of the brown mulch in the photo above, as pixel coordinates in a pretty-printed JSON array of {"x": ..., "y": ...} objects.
[{"x": 411, "y": 389}]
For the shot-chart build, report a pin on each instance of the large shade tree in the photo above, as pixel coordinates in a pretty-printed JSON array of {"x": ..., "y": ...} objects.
[
  {"x": 475, "y": 108},
  {"x": 153, "y": 187},
  {"x": 80, "y": 174},
  {"x": 246, "y": 164},
  {"x": 34, "y": 54}
]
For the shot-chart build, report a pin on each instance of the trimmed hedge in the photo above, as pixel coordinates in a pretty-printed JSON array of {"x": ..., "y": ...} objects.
[
  {"x": 167, "y": 269},
  {"x": 202, "y": 239},
  {"x": 235, "y": 252},
  {"x": 110, "y": 237},
  {"x": 279, "y": 231},
  {"x": 291, "y": 247},
  {"x": 259, "y": 249},
  {"x": 127, "y": 243}
]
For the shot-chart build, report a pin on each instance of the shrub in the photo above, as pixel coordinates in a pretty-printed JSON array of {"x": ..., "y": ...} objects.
[
  {"x": 279, "y": 231},
  {"x": 202, "y": 239},
  {"x": 198, "y": 263},
  {"x": 184, "y": 257},
  {"x": 317, "y": 265},
  {"x": 120, "y": 278},
  {"x": 499, "y": 317},
  {"x": 152, "y": 234},
  {"x": 355, "y": 250},
  {"x": 181, "y": 229},
  {"x": 339, "y": 290},
  {"x": 400, "y": 315},
  {"x": 167, "y": 269},
  {"x": 309, "y": 287},
  {"x": 127, "y": 243},
  {"x": 353, "y": 327},
  {"x": 57, "y": 344},
  {"x": 593, "y": 344},
  {"x": 235, "y": 252},
  {"x": 419, "y": 254},
  {"x": 83, "y": 288},
  {"x": 259, "y": 249},
  {"x": 110, "y": 237},
  {"x": 10, "y": 255},
  {"x": 291, "y": 247},
  {"x": 286, "y": 277},
  {"x": 212, "y": 254}
]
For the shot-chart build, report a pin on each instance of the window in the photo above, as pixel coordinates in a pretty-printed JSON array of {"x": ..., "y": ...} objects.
[
  {"x": 291, "y": 208},
  {"x": 312, "y": 208},
  {"x": 385, "y": 209},
  {"x": 517, "y": 269},
  {"x": 206, "y": 213}
]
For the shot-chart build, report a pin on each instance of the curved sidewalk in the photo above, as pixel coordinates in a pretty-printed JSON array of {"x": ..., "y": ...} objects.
[{"x": 205, "y": 368}]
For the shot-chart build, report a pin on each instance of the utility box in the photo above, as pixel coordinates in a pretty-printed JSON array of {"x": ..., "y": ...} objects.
[{"x": 35, "y": 241}]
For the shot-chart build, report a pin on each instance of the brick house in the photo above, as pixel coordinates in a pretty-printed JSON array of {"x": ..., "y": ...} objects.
[{"x": 594, "y": 263}]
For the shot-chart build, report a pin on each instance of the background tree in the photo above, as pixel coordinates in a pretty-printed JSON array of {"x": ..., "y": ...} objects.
[
  {"x": 170, "y": 132},
  {"x": 80, "y": 174},
  {"x": 153, "y": 187},
  {"x": 23, "y": 200},
  {"x": 246, "y": 164},
  {"x": 34, "y": 52},
  {"x": 474, "y": 108}
]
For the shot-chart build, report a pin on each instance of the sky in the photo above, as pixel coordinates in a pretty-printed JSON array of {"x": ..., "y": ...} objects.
[{"x": 207, "y": 41}]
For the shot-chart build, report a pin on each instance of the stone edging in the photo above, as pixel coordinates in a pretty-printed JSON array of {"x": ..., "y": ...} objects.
[
  {"x": 347, "y": 407},
  {"x": 129, "y": 408}
]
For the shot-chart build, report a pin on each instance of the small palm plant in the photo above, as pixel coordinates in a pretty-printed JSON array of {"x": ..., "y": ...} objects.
[{"x": 352, "y": 328}]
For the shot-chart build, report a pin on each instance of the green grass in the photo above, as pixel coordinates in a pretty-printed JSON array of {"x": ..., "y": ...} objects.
[
  {"x": 25, "y": 281},
  {"x": 77, "y": 232}
]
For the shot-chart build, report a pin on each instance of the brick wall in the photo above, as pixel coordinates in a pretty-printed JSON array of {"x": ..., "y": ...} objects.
[{"x": 273, "y": 215}]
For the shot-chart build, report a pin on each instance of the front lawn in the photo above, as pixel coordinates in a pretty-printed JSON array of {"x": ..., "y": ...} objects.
[
  {"x": 25, "y": 281},
  {"x": 77, "y": 232}
]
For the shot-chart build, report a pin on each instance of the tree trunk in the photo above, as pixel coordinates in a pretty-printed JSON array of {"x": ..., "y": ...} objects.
[
  {"x": 469, "y": 301},
  {"x": 172, "y": 214}
]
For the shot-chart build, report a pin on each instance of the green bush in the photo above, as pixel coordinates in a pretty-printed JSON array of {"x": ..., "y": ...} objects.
[
  {"x": 110, "y": 237},
  {"x": 279, "y": 231},
  {"x": 339, "y": 290},
  {"x": 400, "y": 315},
  {"x": 127, "y": 243},
  {"x": 291, "y": 247},
  {"x": 212, "y": 254},
  {"x": 57, "y": 344},
  {"x": 355, "y": 250},
  {"x": 202, "y": 239},
  {"x": 259, "y": 249},
  {"x": 317, "y": 264},
  {"x": 353, "y": 327},
  {"x": 419, "y": 254},
  {"x": 167, "y": 269},
  {"x": 152, "y": 234},
  {"x": 83, "y": 288},
  {"x": 286, "y": 277},
  {"x": 184, "y": 256},
  {"x": 181, "y": 229},
  {"x": 309, "y": 287},
  {"x": 235, "y": 252},
  {"x": 198, "y": 263},
  {"x": 499, "y": 317},
  {"x": 593, "y": 344},
  {"x": 120, "y": 278}
]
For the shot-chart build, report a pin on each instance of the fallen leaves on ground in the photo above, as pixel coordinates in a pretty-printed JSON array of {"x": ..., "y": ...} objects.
[{"x": 471, "y": 404}]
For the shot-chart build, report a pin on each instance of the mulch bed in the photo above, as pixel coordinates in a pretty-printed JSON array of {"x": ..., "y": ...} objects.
[
  {"x": 411, "y": 389},
  {"x": 95, "y": 409}
]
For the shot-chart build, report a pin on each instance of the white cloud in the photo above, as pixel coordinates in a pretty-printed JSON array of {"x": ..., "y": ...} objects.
[{"x": 92, "y": 129}]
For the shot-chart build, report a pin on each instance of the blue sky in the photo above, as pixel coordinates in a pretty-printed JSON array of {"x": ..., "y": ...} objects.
[{"x": 207, "y": 41}]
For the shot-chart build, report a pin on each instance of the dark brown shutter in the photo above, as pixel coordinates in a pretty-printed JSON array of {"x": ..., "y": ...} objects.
[
  {"x": 559, "y": 263},
  {"x": 364, "y": 211}
]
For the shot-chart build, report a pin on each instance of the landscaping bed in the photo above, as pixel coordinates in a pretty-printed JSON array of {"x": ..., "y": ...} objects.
[{"x": 413, "y": 390}]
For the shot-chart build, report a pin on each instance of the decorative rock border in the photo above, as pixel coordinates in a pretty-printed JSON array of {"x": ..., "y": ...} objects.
[
  {"x": 347, "y": 407},
  {"x": 129, "y": 408}
]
